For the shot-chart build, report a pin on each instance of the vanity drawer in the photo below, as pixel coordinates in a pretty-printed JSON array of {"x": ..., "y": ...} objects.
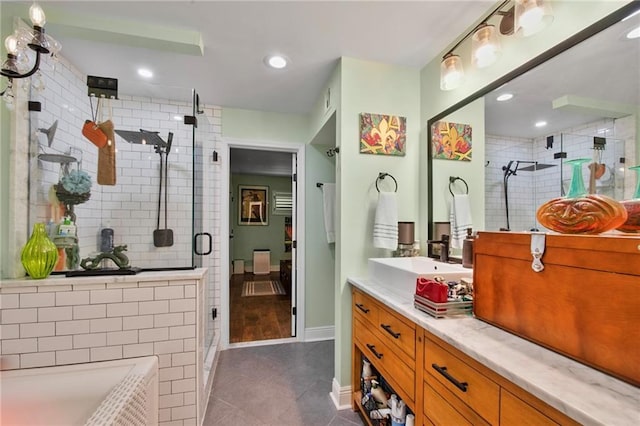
[
  {"x": 391, "y": 366},
  {"x": 397, "y": 333},
  {"x": 365, "y": 308},
  {"x": 463, "y": 381},
  {"x": 514, "y": 411},
  {"x": 439, "y": 411}
]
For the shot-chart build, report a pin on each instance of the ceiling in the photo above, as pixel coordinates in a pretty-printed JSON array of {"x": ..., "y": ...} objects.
[
  {"x": 99, "y": 38},
  {"x": 596, "y": 79}
]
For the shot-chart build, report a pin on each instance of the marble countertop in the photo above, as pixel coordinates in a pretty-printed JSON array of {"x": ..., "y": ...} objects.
[
  {"x": 581, "y": 392},
  {"x": 55, "y": 280}
]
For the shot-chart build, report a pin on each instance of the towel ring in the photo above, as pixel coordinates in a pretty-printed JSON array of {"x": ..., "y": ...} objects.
[
  {"x": 452, "y": 179},
  {"x": 381, "y": 176}
]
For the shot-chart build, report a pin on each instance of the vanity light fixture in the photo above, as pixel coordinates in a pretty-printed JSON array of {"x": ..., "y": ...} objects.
[
  {"x": 531, "y": 16},
  {"x": 524, "y": 17},
  {"x": 19, "y": 43},
  {"x": 485, "y": 46},
  {"x": 276, "y": 61},
  {"x": 541, "y": 123},
  {"x": 451, "y": 72},
  {"x": 504, "y": 97}
]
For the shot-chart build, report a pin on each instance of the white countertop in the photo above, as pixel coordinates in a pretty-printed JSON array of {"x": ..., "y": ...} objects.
[
  {"x": 582, "y": 393},
  {"x": 55, "y": 280}
]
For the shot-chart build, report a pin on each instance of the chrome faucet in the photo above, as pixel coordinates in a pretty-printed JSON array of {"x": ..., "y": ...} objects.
[{"x": 444, "y": 247}]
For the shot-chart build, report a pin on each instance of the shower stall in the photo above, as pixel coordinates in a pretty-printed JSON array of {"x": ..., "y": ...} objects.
[
  {"x": 159, "y": 156},
  {"x": 522, "y": 175}
]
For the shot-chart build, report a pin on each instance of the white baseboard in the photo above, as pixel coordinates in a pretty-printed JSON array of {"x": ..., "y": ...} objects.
[
  {"x": 316, "y": 334},
  {"x": 341, "y": 396}
]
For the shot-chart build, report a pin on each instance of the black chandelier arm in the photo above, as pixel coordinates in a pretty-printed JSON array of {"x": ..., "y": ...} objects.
[{"x": 35, "y": 68}]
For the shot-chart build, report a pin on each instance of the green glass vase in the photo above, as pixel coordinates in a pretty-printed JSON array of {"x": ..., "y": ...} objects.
[
  {"x": 633, "y": 208},
  {"x": 39, "y": 256},
  {"x": 580, "y": 212}
]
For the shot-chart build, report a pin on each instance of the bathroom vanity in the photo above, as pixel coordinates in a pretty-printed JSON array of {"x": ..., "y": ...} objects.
[
  {"x": 462, "y": 370},
  {"x": 62, "y": 321}
]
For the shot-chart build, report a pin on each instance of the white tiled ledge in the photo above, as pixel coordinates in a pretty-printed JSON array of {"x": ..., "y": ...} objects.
[
  {"x": 584, "y": 394},
  {"x": 61, "y": 280}
]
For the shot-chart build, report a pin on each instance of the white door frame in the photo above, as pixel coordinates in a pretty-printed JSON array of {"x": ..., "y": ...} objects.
[{"x": 225, "y": 261}]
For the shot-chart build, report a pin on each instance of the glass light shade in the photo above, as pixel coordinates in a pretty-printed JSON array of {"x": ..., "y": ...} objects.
[
  {"x": 10, "y": 66},
  {"x": 37, "y": 16},
  {"x": 485, "y": 46},
  {"x": 531, "y": 16},
  {"x": 451, "y": 72},
  {"x": 11, "y": 43}
]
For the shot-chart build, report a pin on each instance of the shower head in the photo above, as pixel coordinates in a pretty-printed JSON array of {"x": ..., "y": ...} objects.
[
  {"x": 142, "y": 137},
  {"x": 50, "y": 132},
  {"x": 536, "y": 166},
  {"x": 57, "y": 158}
]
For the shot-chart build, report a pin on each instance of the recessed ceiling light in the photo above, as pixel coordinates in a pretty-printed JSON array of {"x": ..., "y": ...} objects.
[
  {"x": 276, "y": 61},
  {"x": 634, "y": 33},
  {"x": 541, "y": 124},
  {"x": 504, "y": 97},
  {"x": 146, "y": 73}
]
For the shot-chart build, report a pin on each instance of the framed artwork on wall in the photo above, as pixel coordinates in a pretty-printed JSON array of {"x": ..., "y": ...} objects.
[
  {"x": 252, "y": 205},
  {"x": 451, "y": 141},
  {"x": 383, "y": 134}
]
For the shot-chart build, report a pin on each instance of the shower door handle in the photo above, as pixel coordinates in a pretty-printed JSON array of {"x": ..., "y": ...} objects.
[{"x": 195, "y": 244}]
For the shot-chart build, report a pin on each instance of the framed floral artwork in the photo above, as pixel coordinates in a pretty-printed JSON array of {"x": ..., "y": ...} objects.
[
  {"x": 252, "y": 205},
  {"x": 451, "y": 141},
  {"x": 383, "y": 134}
]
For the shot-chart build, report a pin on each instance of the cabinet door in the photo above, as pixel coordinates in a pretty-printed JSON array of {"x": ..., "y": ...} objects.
[
  {"x": 514, "y": 411},
  {"x": 439, "y": 411}
]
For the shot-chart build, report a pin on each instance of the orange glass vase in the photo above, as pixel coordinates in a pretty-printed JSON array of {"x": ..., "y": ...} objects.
[
  {"x": 579, "y": 212},
  {"x": 632, "y": 206}
]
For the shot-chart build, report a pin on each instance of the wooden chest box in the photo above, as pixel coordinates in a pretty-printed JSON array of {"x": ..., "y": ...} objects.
[{"x": 585, "y": 304}]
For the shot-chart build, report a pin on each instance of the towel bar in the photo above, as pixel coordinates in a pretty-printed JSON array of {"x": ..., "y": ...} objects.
[
  {"x": 452, "y": 179},
  {"x": 381, "y": 176}
]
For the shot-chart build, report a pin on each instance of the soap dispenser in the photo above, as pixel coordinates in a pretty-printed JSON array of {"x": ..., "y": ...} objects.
[{"x": 467, "y": 250}]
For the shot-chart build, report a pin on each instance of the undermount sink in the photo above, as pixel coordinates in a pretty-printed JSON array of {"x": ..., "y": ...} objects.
[{"x": 401, "y": 273}]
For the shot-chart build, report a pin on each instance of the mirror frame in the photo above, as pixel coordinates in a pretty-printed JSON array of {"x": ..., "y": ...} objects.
[{"x": 588, "y": 32}]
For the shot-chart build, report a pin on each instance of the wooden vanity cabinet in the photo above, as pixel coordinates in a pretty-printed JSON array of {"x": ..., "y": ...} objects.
[
  {"x": 388, "y": 341},
  {"x": 440, "y": 384}
]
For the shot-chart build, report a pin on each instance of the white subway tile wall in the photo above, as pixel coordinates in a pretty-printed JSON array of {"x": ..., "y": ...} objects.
[
  {"x": 528, "y": 190},
  {"x": 130, "y": 206},
  {"x": 36, "y": 332}
]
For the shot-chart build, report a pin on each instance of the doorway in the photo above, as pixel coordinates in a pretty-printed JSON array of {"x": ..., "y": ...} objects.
[{"x": 261, "y": 285}]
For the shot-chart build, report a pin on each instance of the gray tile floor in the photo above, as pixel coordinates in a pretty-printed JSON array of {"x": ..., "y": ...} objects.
[{"x": 285, "y": 384}]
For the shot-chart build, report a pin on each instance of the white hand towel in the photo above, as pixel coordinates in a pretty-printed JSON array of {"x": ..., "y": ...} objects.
[
  {"x": 329, "y": 202},
  {"x": 460, "y": 218},
  {"x": 385, "y": 225}
]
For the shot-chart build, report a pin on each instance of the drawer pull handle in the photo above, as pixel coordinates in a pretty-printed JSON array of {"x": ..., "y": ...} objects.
[
  {"x": 372, "y": 348},
  {"x": 443, "y": 370},
  {"x": 362, "y": 308},
  {"x": 388, "y": 329}
]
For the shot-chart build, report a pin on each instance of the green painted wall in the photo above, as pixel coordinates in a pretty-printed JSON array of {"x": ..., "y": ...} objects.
[
  {"x": 264, "y": 126},
  {"x": 246, "y": 238},
  {"x": 383, "y": 89},
  {"x": 319, "y": 257}
]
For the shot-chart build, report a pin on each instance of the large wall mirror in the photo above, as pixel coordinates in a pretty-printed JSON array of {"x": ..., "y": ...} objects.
[{"x": 579, "y": 100}]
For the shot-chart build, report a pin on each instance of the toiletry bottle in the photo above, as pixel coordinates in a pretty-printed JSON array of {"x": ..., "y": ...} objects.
[
  {"x": 378, "y": 394},
  {"x": 467, "y": 250}
]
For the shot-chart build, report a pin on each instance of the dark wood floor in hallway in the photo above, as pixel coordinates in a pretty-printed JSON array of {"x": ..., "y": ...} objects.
[{"x": 257, "y": 317}]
